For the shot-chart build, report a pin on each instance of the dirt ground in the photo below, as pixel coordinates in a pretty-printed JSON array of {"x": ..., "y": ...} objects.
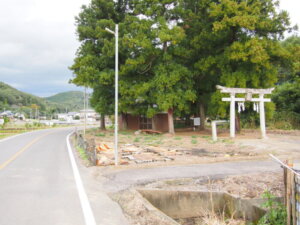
[
  {"x": 246, "y": 186},
  {"x": 191, "y": 147}
]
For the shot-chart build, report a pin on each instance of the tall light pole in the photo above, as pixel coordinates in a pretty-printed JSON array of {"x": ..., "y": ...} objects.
[
  {"x": 84, "y": 108},
  {"x": 116, "y": 34}
]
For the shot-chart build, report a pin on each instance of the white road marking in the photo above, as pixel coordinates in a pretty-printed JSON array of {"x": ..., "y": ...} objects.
[{"x": 85, "y": 204}]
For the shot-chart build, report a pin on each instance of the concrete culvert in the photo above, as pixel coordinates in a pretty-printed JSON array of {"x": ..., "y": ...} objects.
[{"x": 188, "y": 205}]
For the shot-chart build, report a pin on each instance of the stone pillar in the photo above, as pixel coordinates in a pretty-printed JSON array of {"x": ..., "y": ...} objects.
[
  {"x": 214, "y": 130},
  {"x": 232, "y": 115},
  {"x": 262, "y": 116}
]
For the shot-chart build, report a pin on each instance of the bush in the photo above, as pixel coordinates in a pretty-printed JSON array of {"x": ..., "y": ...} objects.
[{"x": 276, "y": 214}]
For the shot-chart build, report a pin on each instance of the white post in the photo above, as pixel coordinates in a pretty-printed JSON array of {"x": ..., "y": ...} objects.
[
  {"x": 84, "y": 100},
  {"x": 116, "y": 92},
  {"x": 262, "y": 116},
  {"x": 232, "y": 115},
  {"x": 214, "y": 130}
]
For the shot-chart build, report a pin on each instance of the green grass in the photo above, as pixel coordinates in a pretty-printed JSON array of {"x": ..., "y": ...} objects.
[
  {"x": 82, "y": 153},
  {"x": 137, "y": 139},
  {"x": 178, "y": 138},
  {"x": 206, "y": 137},
  {"x": 194, "y": 136},
  {"x": 159, "y": 142},
  {"x": 101, "y": 135},
  {"x": 194, "y": 141},
  {"x": 227, "y": 141},
  {"x": 2, "y": 136},
  {"x": 125, "y": 132}
]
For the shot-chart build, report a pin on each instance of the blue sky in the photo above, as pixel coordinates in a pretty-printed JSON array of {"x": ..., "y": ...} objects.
[{"x": 38, "y": 43}]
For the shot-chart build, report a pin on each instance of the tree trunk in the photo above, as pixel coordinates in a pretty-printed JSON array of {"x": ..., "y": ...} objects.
[
  {"x": 202, "y": 116},
  {"x": 171, "y": 121},
  {"x": 238, "y": 123},
  {"x": 102, "y": 122}
]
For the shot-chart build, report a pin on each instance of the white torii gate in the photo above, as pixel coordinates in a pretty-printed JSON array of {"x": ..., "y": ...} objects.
[{"x": 248, "y": 97}]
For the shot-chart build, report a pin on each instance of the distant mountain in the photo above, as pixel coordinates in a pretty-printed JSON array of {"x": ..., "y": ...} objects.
[
  {"x": 18, "y": 101},
  {"x": 13, "y": 98},
  {"x": 71, "y": 100}
]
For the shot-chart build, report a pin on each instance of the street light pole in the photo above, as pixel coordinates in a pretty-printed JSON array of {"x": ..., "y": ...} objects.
[
  {"x": 84, "y": 100},
  {"x": 116, "y": 34}
]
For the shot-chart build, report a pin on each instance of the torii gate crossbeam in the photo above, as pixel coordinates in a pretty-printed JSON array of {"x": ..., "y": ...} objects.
[{"x": 248, "y": 92}]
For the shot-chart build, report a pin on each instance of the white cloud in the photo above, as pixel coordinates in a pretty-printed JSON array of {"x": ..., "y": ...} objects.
[
  {"x": 292, "y": 7},
  {"x": 38, "y": 40}
]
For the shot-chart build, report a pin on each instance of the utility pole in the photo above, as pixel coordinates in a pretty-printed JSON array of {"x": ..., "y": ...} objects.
[
  {"x": 116, "y": 34},
  {"x": 84, "y": 106}
]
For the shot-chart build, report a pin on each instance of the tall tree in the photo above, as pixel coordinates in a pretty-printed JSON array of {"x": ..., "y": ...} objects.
[
  {"x": 94, "y": 63},
  {"x": 154, "y": 74},
  {"x": 234, "y": 43}
]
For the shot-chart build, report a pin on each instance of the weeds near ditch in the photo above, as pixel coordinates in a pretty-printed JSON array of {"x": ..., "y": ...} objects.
[{"x": 276, "y": 212}]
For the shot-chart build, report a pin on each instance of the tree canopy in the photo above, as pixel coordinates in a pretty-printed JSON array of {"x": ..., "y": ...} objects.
[{"x": 174, "y": 52}]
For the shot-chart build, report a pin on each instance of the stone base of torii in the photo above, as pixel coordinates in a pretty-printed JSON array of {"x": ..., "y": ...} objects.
[{"x": 248, "y": 97}]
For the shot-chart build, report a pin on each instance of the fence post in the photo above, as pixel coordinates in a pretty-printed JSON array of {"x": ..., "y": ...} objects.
[
  {"x": 289, "y": 193},
  {"x": 294, "y": 201}
]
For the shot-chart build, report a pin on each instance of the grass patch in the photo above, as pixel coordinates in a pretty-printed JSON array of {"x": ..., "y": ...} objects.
[
  {"x": 82, "y": 153},
  {"x": 101, "y": 135},
  {"x": 137, "y": 139},
  {"x": 2, "y": 136},
  {"x": 125, "y": 132},
  {"x": 194, "y": 141},
  {"x": 194, "y": 136},
  {"x": 206, "y": 137},
  {"x": 177, "y": 138},
  {"x": 227, "y": 141}
]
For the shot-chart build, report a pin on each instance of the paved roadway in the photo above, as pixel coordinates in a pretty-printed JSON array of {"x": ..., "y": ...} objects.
[
  {"x": 117, "y": 180},
  {"x": 37, "y": 184}
]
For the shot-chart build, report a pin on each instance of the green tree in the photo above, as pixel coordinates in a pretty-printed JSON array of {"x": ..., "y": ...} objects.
[
  {"x": 94, "y": 63},
  {"x": 237, "y": 45},
  {"x": 290, "y": 70},
  {"x": 154, "y": 76}
]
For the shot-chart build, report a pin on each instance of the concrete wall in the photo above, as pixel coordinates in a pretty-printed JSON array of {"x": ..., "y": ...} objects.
[{"x": 188, "y": 204}]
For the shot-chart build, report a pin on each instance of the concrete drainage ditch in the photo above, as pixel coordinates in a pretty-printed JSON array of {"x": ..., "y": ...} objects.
[{"x": 188, "y": 205}]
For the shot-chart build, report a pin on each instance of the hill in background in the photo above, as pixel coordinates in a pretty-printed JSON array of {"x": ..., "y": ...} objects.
[
  {"x": 71, "y": 100},
  {"x": 18, "y": 101},
  {"x": 13, "y": 98}
]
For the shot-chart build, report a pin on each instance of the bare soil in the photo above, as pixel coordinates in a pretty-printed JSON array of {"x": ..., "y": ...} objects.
[
  {"x": 191, "y": 147},
  {"x": 245, "y": 186}
]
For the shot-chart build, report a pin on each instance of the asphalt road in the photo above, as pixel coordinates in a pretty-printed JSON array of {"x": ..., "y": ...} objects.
[
  {"x": 38, "y": 186},
  {"x": 123, "y": 179}
]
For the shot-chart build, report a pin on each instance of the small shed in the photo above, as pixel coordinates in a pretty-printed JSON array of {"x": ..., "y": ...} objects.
[{"x": 139, "y": 122}]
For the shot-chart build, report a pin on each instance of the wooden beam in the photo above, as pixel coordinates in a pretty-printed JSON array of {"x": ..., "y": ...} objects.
[
  {"x": 243, "y": 99},
  {"x": 244, "y": 90}
]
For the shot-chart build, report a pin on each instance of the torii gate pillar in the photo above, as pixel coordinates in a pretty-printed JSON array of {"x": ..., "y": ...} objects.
[
  {"x": 262, "y": 116},
  {"x": 232, "y": 115},
  {"x": 248, "y": 97}
]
